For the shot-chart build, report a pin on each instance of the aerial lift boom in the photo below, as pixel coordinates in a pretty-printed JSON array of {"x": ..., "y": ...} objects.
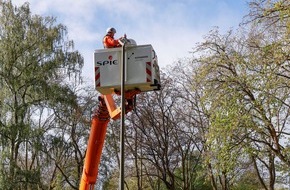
[
  {"x": 142, "y": 75},
  {"x": 106, "y": 110}
]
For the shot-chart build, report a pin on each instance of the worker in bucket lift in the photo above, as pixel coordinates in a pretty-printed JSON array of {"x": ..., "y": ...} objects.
[{"x": 109, "y": 41}]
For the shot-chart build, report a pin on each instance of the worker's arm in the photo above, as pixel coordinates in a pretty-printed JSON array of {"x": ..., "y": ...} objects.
[{"x": 111, "y": 42}]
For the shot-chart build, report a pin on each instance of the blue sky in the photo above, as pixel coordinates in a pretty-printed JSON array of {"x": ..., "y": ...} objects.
[{"x": 171, "y": 26}]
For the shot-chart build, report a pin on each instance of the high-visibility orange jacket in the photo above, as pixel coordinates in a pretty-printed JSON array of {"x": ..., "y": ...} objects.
[{"x": 110, "y": 42}]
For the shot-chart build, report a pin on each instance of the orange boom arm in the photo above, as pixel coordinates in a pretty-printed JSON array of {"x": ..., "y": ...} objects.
[
  {"x": 99, "y": 125},
  {"x": 100, "y": 120}
]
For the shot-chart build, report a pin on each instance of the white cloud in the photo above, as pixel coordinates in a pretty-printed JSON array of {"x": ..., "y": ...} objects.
[{"x": 172, "y": 27}]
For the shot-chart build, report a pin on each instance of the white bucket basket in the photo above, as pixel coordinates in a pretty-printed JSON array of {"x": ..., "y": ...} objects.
[{"x": 142, "y": 70}]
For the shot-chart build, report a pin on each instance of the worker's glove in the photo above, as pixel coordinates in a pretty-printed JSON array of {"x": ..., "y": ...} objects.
[{"x": 123, "y": 40}]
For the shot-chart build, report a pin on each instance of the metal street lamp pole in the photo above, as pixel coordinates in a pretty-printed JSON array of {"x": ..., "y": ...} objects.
[{"x": 122, "y": 128}]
